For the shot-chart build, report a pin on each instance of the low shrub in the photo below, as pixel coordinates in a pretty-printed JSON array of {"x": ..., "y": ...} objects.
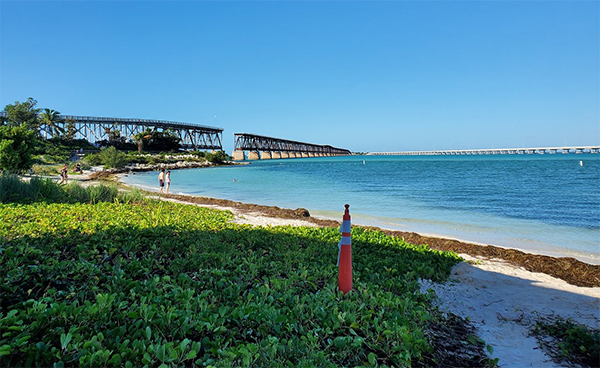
[
  {"x": 218, "y": 157},
  {"x": 85, "y": 166},
  {"x": 12, "y": 188},
  {"x": 46, "y": 190},
  {"x": 135, "y": 158},
  {"x": 48, "y": 159},
  {"x": 199, "y": 154},
  {"x": 112, "y": 158},
  {"x": 93, "y": 159}
]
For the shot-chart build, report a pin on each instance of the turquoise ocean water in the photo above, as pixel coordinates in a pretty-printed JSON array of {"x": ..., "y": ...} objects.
[{"x": 547, "y": 204}]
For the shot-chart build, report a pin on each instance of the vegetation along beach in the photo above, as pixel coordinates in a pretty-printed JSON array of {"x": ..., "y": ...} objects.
[{"x": 300, "y": 184}]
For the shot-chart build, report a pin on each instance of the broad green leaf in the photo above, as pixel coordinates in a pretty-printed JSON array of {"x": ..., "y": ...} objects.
[
  {"x": 372, "y": 358},
  {"x": 5, "y": 350},
  {"x": 191, "y": 354},
  {"x": 65, "y": 340}
]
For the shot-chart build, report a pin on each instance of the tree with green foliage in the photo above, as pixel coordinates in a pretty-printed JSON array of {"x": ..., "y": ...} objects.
[
  {"x": 114, "y": 135},
  {"x": 141, "y": 137},
  {"x": 70, "y": 130},
  {"x": 217, "y": 157},
  {"x": 23, "y": 113},
  {"x": 154, "y": 140},
  {"x": 167, "y": 140},
  {"x": 112, "y": 158},
  {"x": 51, "y": 119},
  {"x": 17, "y": 144}
]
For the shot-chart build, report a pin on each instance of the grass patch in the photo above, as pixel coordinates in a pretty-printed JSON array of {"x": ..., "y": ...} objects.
[
  {"x": 47, "y": 170},
  {"x": 15, "y": 190}
]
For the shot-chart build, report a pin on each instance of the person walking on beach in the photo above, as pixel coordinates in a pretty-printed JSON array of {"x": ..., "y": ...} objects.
[
  {"x": 167, "y": 181},
  {"x": 64, "y": 174},
  {"x": 161, "y": 179}
]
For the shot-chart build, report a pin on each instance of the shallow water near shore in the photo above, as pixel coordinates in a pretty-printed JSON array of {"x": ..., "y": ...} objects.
[{"x": 547, "y": 204}]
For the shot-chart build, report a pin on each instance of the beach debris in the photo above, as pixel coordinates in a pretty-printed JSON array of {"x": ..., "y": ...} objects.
[
  {"x": 456, "y": 344},
  {"x": 497, "y": 301},
  {"x": 301, "y": 212}
]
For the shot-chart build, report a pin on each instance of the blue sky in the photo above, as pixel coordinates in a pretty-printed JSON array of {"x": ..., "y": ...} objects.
[{"x": 367, "y": 76}]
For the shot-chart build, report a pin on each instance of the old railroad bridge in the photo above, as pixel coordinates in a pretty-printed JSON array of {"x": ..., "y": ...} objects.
[
  {"x": 263, "y": 148},
  {"x": 96, "y": 129},
  {"x": 192, "y": 136}
]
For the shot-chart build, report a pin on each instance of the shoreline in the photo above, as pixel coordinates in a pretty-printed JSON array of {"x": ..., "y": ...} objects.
[
  {"x": 568, "y": 269},
  {"x": 544, "y": 234},
  {"x": 588, "y": 258}
]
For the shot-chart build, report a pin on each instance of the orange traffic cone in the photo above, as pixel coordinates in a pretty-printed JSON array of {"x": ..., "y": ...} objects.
[{"x": 345, "y": 255}]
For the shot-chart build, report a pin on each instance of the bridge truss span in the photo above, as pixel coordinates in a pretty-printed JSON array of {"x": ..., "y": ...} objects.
[
  {"x": 192, "y": 136},
  {"x": 261, "y": 147},
  {"x": 95, "y": 129}
]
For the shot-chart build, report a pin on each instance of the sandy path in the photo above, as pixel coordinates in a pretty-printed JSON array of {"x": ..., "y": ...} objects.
[{"x": 503, "y": 302}]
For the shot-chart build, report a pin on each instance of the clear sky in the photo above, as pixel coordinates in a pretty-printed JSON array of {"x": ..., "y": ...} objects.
[{"x": 367, "y": 76}]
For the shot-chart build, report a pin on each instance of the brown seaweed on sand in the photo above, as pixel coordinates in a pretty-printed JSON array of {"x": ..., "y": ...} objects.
[{"x": 569, "y": 269}]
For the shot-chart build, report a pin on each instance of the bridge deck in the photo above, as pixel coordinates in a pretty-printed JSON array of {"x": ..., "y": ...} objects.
[{"x": 499, "y": 151}]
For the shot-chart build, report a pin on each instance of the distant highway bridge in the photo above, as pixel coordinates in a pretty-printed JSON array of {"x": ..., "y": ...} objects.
[
  {"x": 95, "y": 129},
  {"x": 263, "y": 148},
  {"x": 498, "y": 151}
]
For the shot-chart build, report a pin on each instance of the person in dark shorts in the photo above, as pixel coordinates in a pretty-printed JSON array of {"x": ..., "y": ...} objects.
[
  {"x": 161, "y": 179},
  {"x": 64, "y": 174}
]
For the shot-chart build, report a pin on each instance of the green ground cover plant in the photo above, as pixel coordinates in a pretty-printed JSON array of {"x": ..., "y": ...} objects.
[
  {"x": 566, "y": 340},
  {"x": 162, "y": 284}
]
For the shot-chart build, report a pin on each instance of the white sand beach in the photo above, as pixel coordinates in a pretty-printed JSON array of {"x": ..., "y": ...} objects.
[{"x": 503, "y": 302}]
